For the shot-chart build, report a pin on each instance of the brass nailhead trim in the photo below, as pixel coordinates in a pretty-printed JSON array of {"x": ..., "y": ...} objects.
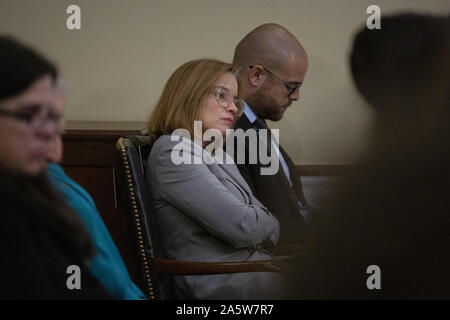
[{"x": 137, "y": 220}]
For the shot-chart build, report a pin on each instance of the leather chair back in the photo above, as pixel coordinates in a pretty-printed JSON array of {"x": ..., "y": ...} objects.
[{"x": 132, "y": 155}]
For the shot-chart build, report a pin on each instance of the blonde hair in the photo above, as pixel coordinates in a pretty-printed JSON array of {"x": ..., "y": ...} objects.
[{"x": 183, "y": 96}]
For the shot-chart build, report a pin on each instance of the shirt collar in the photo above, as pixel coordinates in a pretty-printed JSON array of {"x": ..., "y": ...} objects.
[{"x": 251, "y": 116}]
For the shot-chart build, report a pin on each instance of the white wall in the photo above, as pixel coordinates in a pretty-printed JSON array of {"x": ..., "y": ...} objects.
[{"x": 115, "y": 67}]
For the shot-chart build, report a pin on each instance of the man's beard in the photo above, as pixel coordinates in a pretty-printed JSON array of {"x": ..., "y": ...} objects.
[{"x": 265, "y": 106}]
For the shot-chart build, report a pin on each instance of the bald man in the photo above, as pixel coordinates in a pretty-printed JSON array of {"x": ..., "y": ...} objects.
[{"x": 273, "y": 65}]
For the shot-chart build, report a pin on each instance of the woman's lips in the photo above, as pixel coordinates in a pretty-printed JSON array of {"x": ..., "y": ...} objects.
[
  {"x": 229, "y": 120},
  {"x": 40, "y": 154}
]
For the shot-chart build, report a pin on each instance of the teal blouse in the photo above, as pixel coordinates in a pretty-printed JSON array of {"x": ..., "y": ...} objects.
[{"x": 107, "y": 264}]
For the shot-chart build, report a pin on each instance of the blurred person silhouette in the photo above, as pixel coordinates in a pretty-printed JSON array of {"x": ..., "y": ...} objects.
[
  {"x": 394, "y": 212},
  {"x": 40, "y": 236}
]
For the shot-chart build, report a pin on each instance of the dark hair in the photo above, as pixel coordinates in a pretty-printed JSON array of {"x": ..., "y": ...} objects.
[
  {"x": 403, "y": 70},
  {"x": 20, "y": 66},
  {"x": 398, "y": 62},
  {"x": 36, "y": 198}
]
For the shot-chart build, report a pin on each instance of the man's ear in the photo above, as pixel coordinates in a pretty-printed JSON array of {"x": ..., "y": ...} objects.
[{"x": 256, "y": 75}]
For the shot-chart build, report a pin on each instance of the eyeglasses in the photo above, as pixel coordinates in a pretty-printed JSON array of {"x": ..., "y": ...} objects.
[
  {"x": 290, "y": 86},
  {"x": 36, "y": 116},
  {"x": 224, "y": 98}
]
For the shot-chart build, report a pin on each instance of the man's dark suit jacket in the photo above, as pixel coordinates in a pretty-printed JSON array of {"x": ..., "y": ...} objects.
[{"x": 276, "y": 193}]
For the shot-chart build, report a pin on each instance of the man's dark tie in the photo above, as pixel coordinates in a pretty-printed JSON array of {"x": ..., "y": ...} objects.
[{"x": 261, "y": 124}]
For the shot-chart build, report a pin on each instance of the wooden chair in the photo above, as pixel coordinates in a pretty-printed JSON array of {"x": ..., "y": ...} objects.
[{"x": 155, "y": 270}]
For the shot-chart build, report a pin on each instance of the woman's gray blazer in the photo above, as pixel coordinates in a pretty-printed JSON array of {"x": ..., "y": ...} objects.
[{"x": 207, "y": 212}]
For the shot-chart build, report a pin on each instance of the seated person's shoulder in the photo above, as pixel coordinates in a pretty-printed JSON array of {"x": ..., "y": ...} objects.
[
  {"x": 163, "y": 143},
  {"x": 166, "y": 144}
]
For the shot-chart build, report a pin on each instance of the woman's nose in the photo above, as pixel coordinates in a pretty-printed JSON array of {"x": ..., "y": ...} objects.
[
  {"x": 46, "y": 129},
  {"x": 232, "y": 107}
]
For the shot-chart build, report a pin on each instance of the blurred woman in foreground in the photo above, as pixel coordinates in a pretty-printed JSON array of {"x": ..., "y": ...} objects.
[{"x": 40, "y": 236}]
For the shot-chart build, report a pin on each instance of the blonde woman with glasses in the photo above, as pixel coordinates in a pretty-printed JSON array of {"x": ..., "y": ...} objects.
[{"x": 205, "y": 209}]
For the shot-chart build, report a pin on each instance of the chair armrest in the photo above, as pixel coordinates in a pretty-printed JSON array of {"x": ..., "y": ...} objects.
[{"x": 173, "y": 267}]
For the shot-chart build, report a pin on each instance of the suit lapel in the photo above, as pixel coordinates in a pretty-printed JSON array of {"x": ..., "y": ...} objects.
[{"x": 280, "y": 176}]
